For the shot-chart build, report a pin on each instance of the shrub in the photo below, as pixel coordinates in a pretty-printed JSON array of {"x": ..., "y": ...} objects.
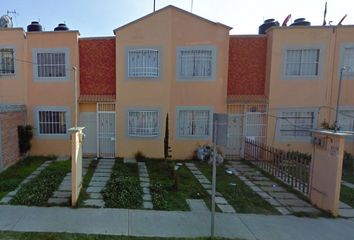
[
  {"x": 122, "y": 192},
  {"x": 25, "y": 134},
  {"x": 139, "y": 156},
  {"x": 159, "y": 193}
]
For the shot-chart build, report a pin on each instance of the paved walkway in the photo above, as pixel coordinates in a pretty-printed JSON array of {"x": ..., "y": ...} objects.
[
  {"x": 11, "y": 195},
  {"x": 220, "y": 201},
  {"x": 278, "y": 197},
  {"x": 145, "y": 185},
  {"x": 63, "y": 194},
  {"x": 171, "y": 224},
  {"x": 98, "y": 182}
]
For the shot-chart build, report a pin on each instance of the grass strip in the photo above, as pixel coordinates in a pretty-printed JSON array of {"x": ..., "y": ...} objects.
[
  {"x": 240, "y": 197},
  {"x": 14, "y": 175},
  {"x": 123, "y": 188},
  {"x": 40, "y": 189}
]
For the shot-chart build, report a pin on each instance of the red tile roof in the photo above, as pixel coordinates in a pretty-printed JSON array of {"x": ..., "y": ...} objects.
[
  {"x": 247, "y": 65},
  {"x": 97, "y": 66}
]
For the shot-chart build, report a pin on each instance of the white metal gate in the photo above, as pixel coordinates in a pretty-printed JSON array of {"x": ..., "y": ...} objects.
[
  {"x": 250, "y": 124},
  {"x": 106, "y": 130}
]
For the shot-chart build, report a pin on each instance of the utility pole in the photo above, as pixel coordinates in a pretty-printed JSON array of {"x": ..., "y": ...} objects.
[
  {"x": 342, "y": 69},
  {"x": 213, "y": 182}
]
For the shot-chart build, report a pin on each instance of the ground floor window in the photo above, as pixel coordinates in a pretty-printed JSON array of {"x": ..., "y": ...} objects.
[
  {"x": 143, "y": 123},
  {"x": 296, "y": 123},
  {"x": 52, "y": 122},
  {"x": 346, "y": 120},
  {"x": 194, "y": 122}
]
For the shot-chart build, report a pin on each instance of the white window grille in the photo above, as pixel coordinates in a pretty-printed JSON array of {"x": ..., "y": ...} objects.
[
  {"x": 346, "y": 120},
  {"x": 194, "y": 123},
  {"x": 196, "y": 63},
  {"x": 7, "y": 61},
  {"x": 143, "y": 63},
  {"x": 296, "y": 124},
  {"x": 302, "y": 62},
  {"x": 51, "y": 64},
  {"x": 349, "y": 60},
  {"x": 52, "y": 122},
  {"x": 143, "y": 123}
]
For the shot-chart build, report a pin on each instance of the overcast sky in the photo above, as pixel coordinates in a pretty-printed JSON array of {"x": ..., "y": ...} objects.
[{"x": 100, "y": 17}]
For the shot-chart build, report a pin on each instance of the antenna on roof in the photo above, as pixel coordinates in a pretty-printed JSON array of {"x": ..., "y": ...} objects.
[
  {"x": 191, "y": 6},
  {"x": 154, "y": 4},
  {"x": 286, "y": 20},
  {"x": 324, "y": 15},
  {"x": 340, "y": 22}
]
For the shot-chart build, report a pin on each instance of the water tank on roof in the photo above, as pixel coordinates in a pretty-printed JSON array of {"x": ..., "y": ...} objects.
[
  {"x": 267, "y": 24},
  {"x": 34, "y": 27},
  {"x": 5, "y": 22},
  {"x": 61, "y": 27},
  {"x": 300, "y": 22}
]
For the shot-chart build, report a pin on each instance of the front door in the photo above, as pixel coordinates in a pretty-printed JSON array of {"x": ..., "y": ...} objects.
[
  {"x": 106, "y": 130},
  {"x": 234, "y": 135}
]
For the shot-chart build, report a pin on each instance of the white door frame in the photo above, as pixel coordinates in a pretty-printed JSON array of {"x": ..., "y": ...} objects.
[{"x": 108, "y": 108}]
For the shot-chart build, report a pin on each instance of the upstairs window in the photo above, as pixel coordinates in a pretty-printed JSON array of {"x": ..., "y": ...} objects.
[
  {"x": 302, "y": 62},
  {"x": 7, "y": 61},
  {"x": 196, "y": 63},
  {"x": 348, "y": 60},
  {"x": 143, "y": 63},
  {"x": 51, "y": 64}
]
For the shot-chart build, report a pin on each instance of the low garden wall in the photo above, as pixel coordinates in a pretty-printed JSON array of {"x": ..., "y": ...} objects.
[{"x": 11, "y": 116}]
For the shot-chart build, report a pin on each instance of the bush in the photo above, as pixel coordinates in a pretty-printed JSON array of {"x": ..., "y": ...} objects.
[
  {"x": 25, "y": 134},
  {"x": 139, "y": 156},
  {"x": 159, "y": 193},
  {"x": 122, "y": 192}
]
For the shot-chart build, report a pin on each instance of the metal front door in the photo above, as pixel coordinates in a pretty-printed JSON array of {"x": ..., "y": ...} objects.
[
  {"x": 106, "y": 130},
  {"x": 255, "y": 126},
  {"x": 234, "y": 135}
]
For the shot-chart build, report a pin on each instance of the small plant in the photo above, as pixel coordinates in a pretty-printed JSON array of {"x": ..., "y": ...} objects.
[
  {"x": 139, "y": 156},
  {"x": 25, "y": 134},
  {"x": 166, "y": 143},
  {"x": 326, "y": 125},
  {"x": 159, "y": 193}
]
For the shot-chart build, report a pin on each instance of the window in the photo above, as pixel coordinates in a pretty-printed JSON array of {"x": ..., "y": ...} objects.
[
  {"x": 348, "y": 60},
  {"x": 51, "y": 64},
  {"x": 52, "y": 122},
  {"x": 194, "y": 123},
  {"x": 295, "y": 124},
  {"x": 143, "y": 123},
  {"x": 143, "y": 63},
  {"x": 196, "y": 63},
  {"x": 346, "y": 120},
  {"x": 302, "y": 62},
  {"x": 7, "y": 61}
]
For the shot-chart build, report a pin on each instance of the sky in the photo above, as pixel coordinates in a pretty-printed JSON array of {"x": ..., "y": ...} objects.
[{"x": 99, "y": 17}]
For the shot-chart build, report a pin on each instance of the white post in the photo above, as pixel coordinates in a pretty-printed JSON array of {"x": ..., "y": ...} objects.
[{"x": 213, "y": 189}]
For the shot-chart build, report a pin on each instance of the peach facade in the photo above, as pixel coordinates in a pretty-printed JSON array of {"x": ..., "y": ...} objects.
[
  {"x": 167, "y": 30},
  {"x": 319, "y": 93}
]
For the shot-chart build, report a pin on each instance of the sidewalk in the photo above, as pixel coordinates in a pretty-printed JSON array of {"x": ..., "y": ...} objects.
[{"x": 170, "y": 224}]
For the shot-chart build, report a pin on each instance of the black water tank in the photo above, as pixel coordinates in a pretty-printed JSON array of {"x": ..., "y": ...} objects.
[
  {"x": 34, "y": 27},
  {"x": 300, "y": 22},
  {"x": 267, "y": 24},
  {"x": 61, "y": 27}
]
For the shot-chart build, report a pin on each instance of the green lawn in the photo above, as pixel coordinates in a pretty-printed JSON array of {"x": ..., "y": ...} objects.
[
  {"x": 241, "y": 197},
  {"x": 70, "y": 236},
  {"x": 123, "y": 188},
  {"x": 85, "y": 183},
  {"x": 165, "y": 195},
  {"x": 347, "y": 195},
  {"x": 41, "y": 188},
  {"x": 14, "y": 175}
]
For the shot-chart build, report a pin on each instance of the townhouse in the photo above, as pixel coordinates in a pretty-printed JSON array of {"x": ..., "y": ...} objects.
[{"x": 171, "y": 62}]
